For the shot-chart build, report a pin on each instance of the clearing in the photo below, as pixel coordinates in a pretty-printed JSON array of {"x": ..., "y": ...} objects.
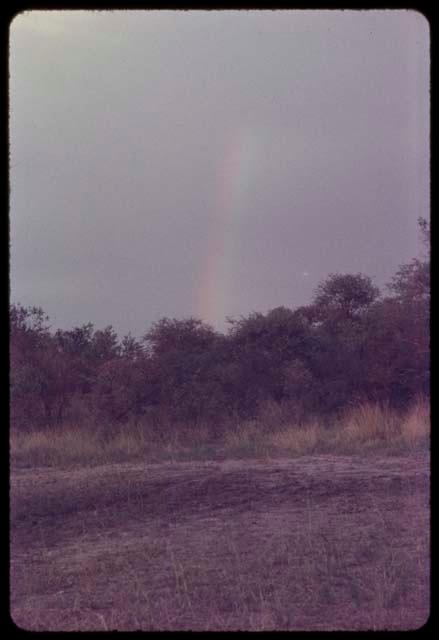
[{"x": 314, "y": 543}]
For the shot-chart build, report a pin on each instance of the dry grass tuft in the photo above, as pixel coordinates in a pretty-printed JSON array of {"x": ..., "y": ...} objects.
[
  {"x": 298, "y": 439},
  {"x": 376, "y": 427},
  {"x": 370, "y": 422},
  {"x": 51, "y": 448},
  {"x": 415, "y": 427},
  {"x": 246, "y": 439}
]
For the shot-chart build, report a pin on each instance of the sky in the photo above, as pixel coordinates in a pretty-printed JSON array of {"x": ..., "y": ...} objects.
[{"x": 211, "y": 163}]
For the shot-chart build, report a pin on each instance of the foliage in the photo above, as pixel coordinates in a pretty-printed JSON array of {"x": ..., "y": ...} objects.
[
  {"x": 349, "y": 346},
  {"x": 344, "y": 295}
]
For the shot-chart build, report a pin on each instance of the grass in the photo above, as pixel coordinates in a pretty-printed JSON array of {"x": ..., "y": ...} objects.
[
  {"x": 298, "y": 440},
  {"x": 366, "y": 428},
  {"x": 331, "y": 542},
  {"x": 340, "y": 561}
]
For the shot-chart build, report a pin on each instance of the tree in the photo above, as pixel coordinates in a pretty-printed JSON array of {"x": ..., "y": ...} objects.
[
  {"x": 28, "y": 338},
  {"x": 104, "y": 346},
  {"x": 179, "y": 352},
  {"x": 76, "y": 346},
  {"x": 411, "y": 283},
  {"x": 337, "y": 360},
  {"x": 263, "y": 346},
  {"x": 171, "y": 335},
  {"x": 131, "y": 348},
  {"x": 410, "y": 305},
  {"x": 424, "y": 229},
  {"x": 344, "y": 296},
  {"x": 124, "y": 388},
  {"x": 397, "y": 355}
]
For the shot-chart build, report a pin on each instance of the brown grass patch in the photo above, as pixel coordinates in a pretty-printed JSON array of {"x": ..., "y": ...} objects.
[
  {"x": 364, "y": 429},
  {"x": 314, "y": 543}
]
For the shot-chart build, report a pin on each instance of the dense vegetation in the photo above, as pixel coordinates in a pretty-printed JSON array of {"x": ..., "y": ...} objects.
[{"x": 352, "y": 344}]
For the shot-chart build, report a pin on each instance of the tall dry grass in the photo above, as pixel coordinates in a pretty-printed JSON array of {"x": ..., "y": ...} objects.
[
  {"x": 373, "y": 425},
  {"x": 302, "y": 439},
  {"x": 365, "y": 428},
  {"x": 416, "y": 425}
]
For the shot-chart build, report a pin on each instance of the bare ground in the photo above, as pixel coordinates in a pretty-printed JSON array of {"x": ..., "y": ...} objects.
[{"x": 314, "y": 543}]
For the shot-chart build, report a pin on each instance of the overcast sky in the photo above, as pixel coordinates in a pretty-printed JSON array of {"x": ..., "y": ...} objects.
[{"x": 211, "y": 164}]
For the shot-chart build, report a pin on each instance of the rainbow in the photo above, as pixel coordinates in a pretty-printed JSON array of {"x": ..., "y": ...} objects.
[{"x": 239, "y": 164}]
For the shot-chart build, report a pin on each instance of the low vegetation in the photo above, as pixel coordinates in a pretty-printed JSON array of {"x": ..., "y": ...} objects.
[
  {"x": 367, "y": 428},
  {"x": 316, "y": 543}
]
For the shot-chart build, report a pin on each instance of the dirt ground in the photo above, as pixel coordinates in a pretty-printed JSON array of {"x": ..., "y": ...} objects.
[{"x": 313, "y": 543}]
